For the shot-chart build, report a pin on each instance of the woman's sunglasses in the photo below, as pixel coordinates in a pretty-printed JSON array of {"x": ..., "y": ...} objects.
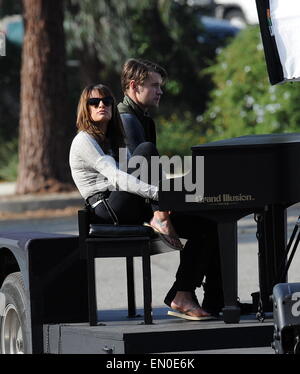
[{"x": 95, "y": 101}]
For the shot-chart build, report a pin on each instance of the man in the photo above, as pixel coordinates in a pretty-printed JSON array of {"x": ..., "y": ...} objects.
[
  {"x": 142, "y": 86},
  {"x": 141, "y": 83}
]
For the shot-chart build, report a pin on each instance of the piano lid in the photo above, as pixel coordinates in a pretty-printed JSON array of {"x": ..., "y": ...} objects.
[{"x": 251, "y": 141}]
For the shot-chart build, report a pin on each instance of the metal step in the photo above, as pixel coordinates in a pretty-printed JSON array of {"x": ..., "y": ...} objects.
[{"x": 117, "y": 334}]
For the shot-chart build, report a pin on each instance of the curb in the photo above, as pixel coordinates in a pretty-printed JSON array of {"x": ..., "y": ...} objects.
[{"x": 23, "y": 203}]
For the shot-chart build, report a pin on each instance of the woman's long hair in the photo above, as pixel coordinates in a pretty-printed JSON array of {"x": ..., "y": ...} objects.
[{"x": 115, "y": 134}]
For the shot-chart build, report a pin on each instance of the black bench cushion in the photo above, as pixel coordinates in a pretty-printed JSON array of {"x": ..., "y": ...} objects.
[{"x": 115, "y": 231}]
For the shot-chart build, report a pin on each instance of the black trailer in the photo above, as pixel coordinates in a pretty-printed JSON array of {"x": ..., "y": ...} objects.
[
  {"x": 42, "y": 281},
  {"x": 44, "y": 309}
]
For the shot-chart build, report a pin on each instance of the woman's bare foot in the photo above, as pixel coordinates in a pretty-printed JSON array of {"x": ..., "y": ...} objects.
[
  {"x": 161, "y": 220},
  {"x": 162, "y": 223},
  {"x": 184, "y": 303}
]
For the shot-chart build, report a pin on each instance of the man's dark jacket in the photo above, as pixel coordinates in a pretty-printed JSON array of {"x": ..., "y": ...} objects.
[{"x": 138, "y": 125}]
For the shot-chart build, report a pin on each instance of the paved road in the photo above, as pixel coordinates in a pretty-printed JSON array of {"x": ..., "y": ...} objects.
[{"x": 163, "y": 266}]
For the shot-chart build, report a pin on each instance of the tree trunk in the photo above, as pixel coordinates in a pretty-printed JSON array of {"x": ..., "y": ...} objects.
[{"x": 45, "y": 130}]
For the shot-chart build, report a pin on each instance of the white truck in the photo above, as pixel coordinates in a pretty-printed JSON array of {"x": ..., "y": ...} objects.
[{"x": 238, "y": 12}]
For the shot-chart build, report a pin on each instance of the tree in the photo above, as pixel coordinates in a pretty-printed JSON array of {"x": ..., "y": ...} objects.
[
  {"x": 44, "y": 136},
  {"x": 243, "y": 101}
]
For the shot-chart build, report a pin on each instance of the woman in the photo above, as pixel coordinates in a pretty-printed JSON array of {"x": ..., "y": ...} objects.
[
  {"x": 94, "y": 161},
  {"x": 116, "y": 196}
]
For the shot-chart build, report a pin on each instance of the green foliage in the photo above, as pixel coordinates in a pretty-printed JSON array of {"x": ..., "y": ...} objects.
[
  {"x": 10, "y": 92},
  {"x": 9, "y": 111},
  {"x": 177, "y": 135},
  {"x": 99, "y": 27},
  {"x": 169, "y": 37},
  {"x": 9, "y": 160},
  {"x": 243, "y": 101}
]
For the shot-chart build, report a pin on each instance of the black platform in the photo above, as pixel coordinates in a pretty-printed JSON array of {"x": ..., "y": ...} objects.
[{"x": 119, "y": 335}]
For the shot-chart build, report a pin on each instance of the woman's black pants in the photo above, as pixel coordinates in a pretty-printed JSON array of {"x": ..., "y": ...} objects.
[{"x": 130, "y": 209}]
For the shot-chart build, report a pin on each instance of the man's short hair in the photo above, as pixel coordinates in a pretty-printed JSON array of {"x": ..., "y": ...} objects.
[{"x": 138, "y": 70}]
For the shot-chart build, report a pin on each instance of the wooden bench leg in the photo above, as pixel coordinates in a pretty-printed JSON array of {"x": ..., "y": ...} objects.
[
  {"x": 130, "y": 287},
  {"x": 147, "y": 288},
  {"x": 91, "y": 287}
]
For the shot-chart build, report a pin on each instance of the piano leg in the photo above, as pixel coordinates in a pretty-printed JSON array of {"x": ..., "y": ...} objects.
[
  {"x": 272, "y": 244},
  {"x": 279, "y": 214},
  {"x": 227, "y": 232}
]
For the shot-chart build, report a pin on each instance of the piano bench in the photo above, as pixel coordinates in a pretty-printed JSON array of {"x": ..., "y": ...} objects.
[{"x": 129, "y": 241}]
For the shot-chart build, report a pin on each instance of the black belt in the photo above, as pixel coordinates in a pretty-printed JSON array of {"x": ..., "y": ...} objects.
[
  {"x": 96, "y": 199},
  {"x": 100, "y": 197}
]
